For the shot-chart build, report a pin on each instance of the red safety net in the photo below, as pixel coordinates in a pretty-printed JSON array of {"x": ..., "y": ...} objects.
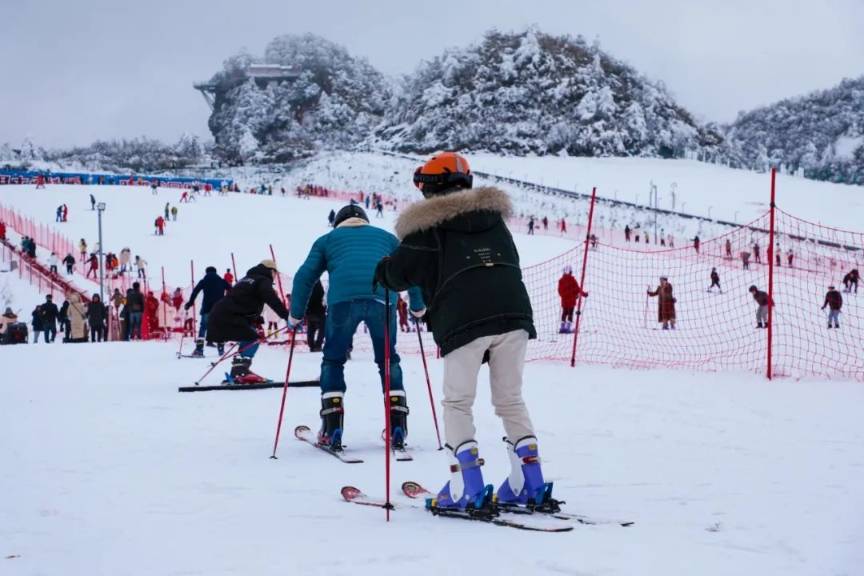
[{"x": 715, "y": 328}]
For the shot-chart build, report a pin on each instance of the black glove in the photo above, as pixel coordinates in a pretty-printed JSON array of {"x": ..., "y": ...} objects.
[
  {"x": 187, "y": 306},
  {"x": 380, "y": 273}
]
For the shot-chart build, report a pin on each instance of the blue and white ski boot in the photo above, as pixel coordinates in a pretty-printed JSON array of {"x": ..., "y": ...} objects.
[
  {"x": 398, "y": 419},
  {"x": 465, "y": 490},
  {"x": 525, "y": 487}
]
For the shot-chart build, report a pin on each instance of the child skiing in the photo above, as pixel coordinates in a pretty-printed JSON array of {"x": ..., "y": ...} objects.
[
  {"x": 715, "y": 281},
  {"x": 763, "y": 301},
  {"x": 569, "y": 291},
  {"x": 480, "y": 313}
]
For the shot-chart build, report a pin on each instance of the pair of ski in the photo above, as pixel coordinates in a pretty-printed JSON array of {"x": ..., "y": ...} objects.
[
  {"x": 519, "y": 517},
  {"x": 231, "y": 386},
  {"x": 305, "y": 434}
]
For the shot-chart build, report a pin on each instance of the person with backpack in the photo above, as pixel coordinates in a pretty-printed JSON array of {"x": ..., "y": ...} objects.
[{"x": 456, "y": 246}]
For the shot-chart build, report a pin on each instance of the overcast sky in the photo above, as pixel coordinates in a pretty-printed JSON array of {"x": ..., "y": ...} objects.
[{"x": 76, "y": 71}]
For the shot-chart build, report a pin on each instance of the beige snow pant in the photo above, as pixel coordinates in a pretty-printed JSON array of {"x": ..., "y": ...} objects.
[{"x": 461, "y": 367}]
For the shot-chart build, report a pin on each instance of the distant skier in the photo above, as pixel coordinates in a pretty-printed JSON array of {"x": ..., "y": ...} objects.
[
  {"x": 228, "y": 277},
  {"x": 763, "y": 302},
  {"x": 214, "y": 289},
  {"x": 53, "y": 262},
  {"x": 627, "y": 233},
  {"x": 349, "y": 254},
  {"x": 665, "y": 303},
  {"x": 745, "y": 259},
  {"x": 850, "y": 281},
  {"x": 834, "y": 302},
  {"x": 563, "y": 226},
  {"x": 715, "y": 281},
  {"x": 48, "y": 315},
  {"x": 234, "y": 317},
  {"x": 728, "y": 248},
  {"x": 82, "y": 248},
  {"x": 480, "y": 313},
  {"x": 160, "y": 226},
  {"x": 69, "y": 261},
  {"x": 569, "y": 291},
  {"x": 545, "y": 222},
  {"x": 167, "y": 210},
  {"x": 696, "y": 243},
  {"x": 790, "y": 257},
  {"x": 94, "y": 267},
  {"x": 331, "y": 217},
  {"x": 757, "y": 255},
  {"x": 402, "y": 309},
  {"x": 531, "y": 226},
  {"x": 92, "y": 202},
  {"x": 379, "y": 209},
  {"x": 174, "y": 213}
]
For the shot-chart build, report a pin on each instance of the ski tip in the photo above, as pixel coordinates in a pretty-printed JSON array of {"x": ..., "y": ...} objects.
[
  {"x": 301, "y": 430},
  {"x": 350, "y": 493},
  {"x": 414, "y": 490}
]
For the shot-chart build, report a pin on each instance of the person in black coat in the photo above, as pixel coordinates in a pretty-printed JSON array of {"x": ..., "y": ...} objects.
[
  {"x": 69, "y": 261},
  {"x": 214, "y": 288},
  {"x": 234, "y": 318},
  {"x": 315, "y": 313},
  {"x": 36, "y": 323},
  {"x": 63, "y": 318},
  {"x": 50, "y": 313},
  {"x": 97, "y": 318},
  {"x": 135, "y": 311},
  {"x": 455, "y": 245}
]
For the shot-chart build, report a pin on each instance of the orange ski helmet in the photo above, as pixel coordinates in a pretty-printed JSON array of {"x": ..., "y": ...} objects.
[{"x": 444, "y": 172}]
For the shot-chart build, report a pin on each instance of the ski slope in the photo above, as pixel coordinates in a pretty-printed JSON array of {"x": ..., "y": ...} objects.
[
  {"x": 107, "y": 469},
  {"x": 208, "y": 230}
]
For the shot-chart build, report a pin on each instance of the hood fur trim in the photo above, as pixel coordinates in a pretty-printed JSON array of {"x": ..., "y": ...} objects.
[
  {"x": 433, "y": 211},
  {"x": 352, "y": 222}
]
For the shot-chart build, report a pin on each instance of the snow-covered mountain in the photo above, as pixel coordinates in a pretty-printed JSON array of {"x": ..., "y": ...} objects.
[
  {"x": 519, "y": 93},
  {"x": 307, "y": 94},
  {"x": 533, "y": 93},
  {"x": 821, "y": 134}
]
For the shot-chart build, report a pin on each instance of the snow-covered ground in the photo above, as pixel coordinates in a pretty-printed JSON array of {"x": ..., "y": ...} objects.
[{"x": 107, "y": 469}]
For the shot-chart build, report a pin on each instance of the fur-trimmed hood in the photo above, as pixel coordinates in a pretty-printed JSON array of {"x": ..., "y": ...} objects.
[{"x": 435, "y": 211}]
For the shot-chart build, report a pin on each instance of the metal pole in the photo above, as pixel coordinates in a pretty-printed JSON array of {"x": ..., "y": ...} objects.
[
  {"x": 582, "y": 276},
  {"x": 769, "y": 358},
  {"x": 100, "y": 208}
]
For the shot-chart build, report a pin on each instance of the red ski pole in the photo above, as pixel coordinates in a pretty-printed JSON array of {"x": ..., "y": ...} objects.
[
  {"x": 229, "y": 353},
  {"x": 192, "y": 287},
  {"x": 284, "y": 393},
  {"x": 428, "y": 382},
  {"x": 387, "y": 399}
]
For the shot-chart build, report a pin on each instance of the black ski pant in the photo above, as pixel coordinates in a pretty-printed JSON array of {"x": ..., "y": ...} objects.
[
  {"x": 97, "y": 333},
  {"x": 567, "y": 313},
  {"x": 315, "y": 332}
]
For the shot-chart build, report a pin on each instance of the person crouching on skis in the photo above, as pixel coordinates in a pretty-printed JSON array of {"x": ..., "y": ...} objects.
[
  {"x": 569, "y": 290},
  {"x": 234, "y": 317},
  {"x": 456, "y": 246},
  {"x": 349, "y": 253}
]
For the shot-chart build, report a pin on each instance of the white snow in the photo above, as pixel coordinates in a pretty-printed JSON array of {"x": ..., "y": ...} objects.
[
  {"x": 108, "y": 470},
  {"x": 845, "y": 146}
]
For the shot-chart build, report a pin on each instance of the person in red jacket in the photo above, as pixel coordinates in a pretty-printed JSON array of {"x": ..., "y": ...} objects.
[
  {"x": 402, "y": 309},
  {"x": 160, "y": 226},
  {"x": 2, "y": 231},
  {"x": 151, "y": 310},
  {"x": 569, "y": 291},
  {"x": 228, "y": 277}
]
